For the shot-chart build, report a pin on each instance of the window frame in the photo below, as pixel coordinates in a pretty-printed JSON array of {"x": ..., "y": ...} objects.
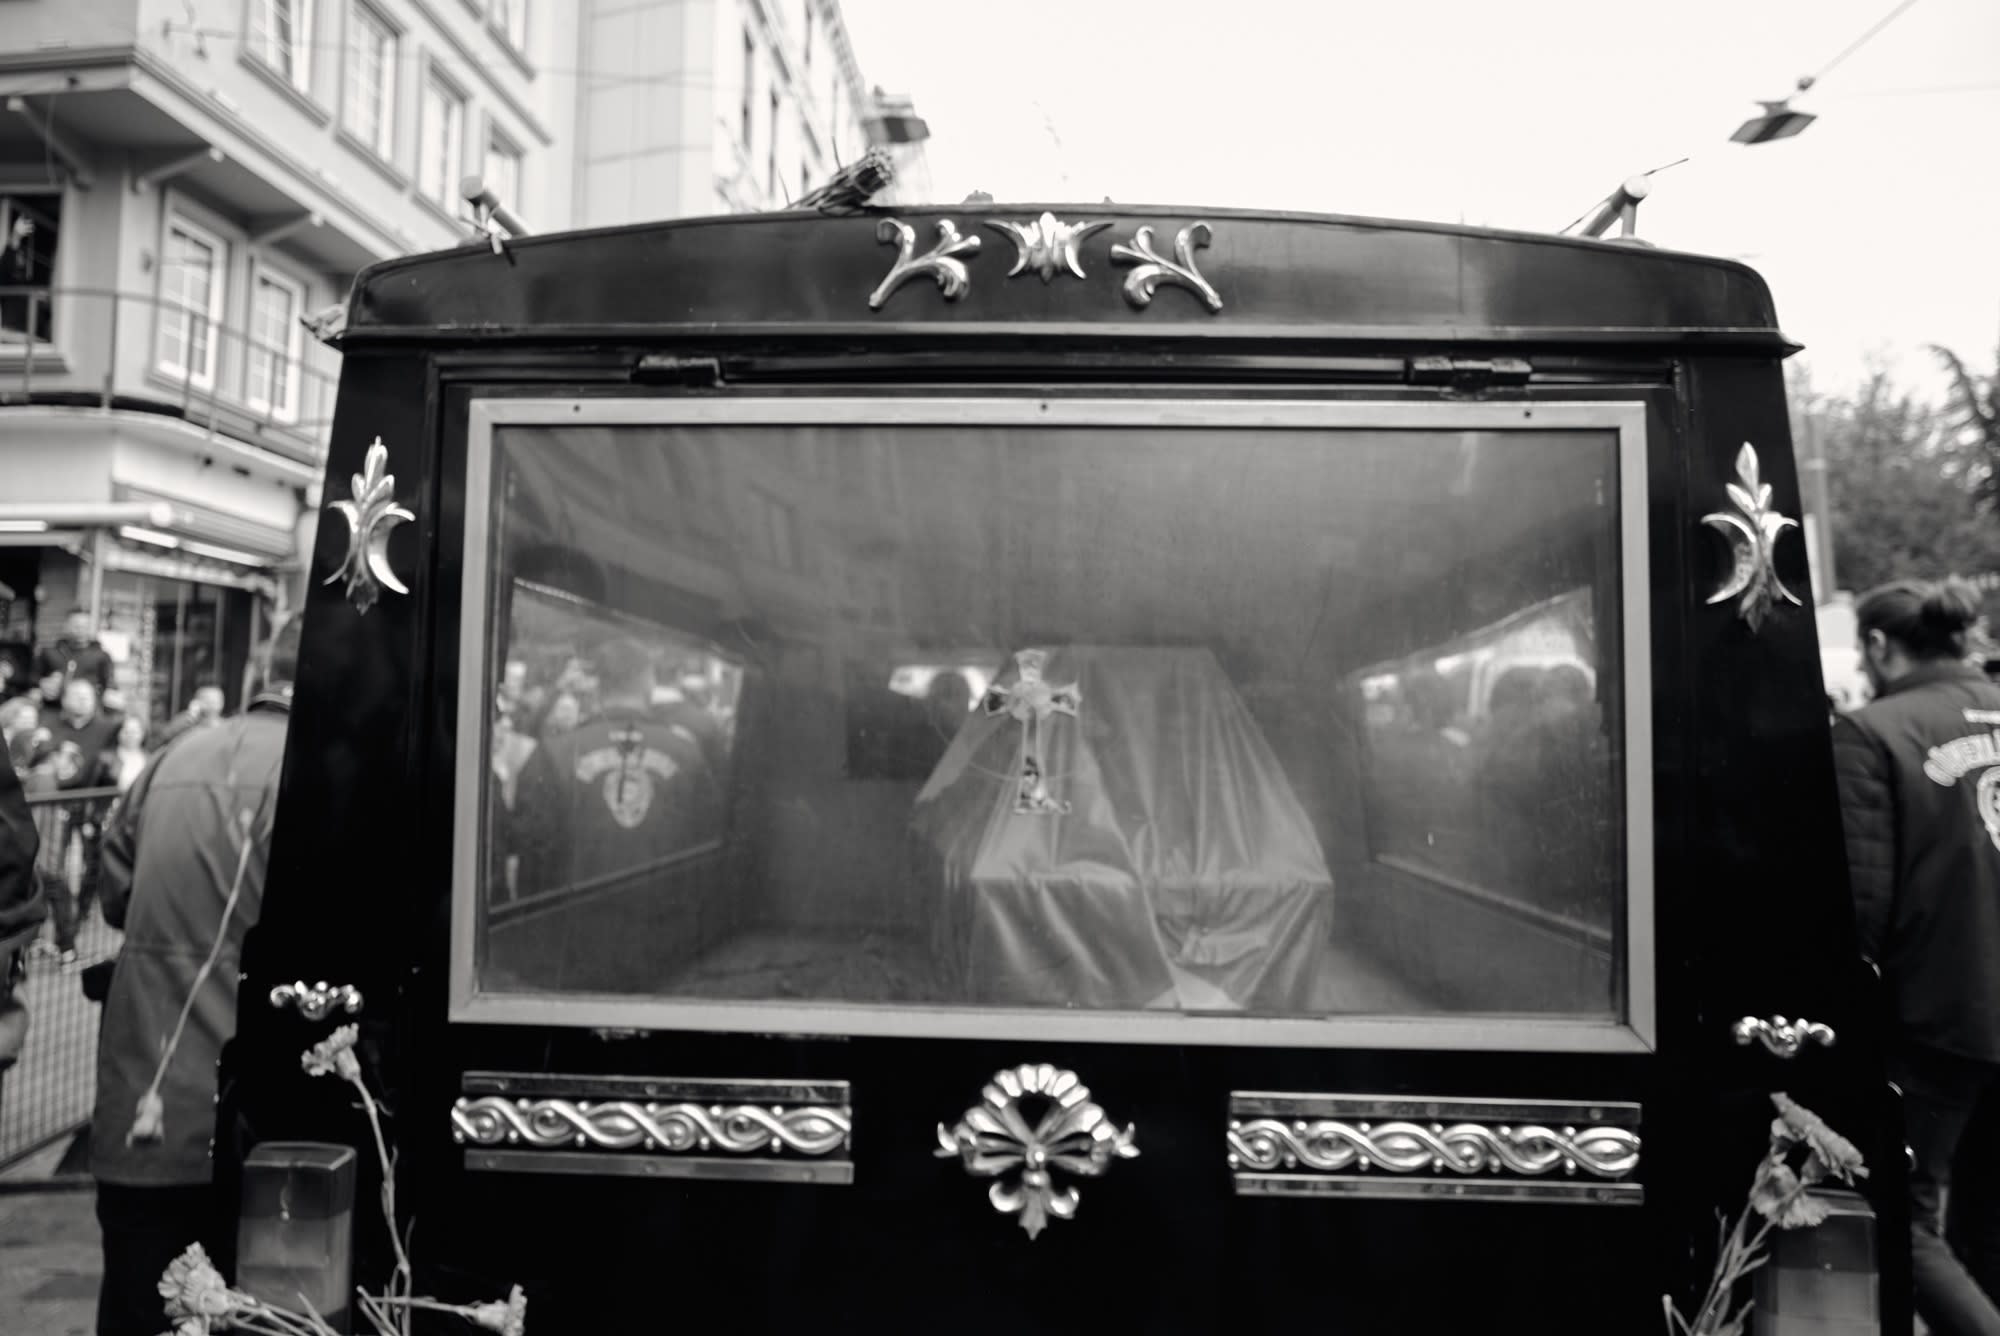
[
  {"x": 261, "y": 44},
  {"x": 24, "y": 197},
  {"x": 286, "y": 411},
  {"x": 1633, "y": 1032},
  {"x": 436, "y": 76},
  {"x": 362, "y": 16},
  {"x": 218, "y": 303},
  {"x": 508, "y": 20},
  {"x": 500, "y": 143}
]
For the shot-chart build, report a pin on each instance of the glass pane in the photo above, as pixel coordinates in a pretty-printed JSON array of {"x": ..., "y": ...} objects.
[{"x": 1276, "y": 721}]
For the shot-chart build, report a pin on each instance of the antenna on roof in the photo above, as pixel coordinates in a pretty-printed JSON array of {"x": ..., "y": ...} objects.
[{"x": 1621, "y": 206}]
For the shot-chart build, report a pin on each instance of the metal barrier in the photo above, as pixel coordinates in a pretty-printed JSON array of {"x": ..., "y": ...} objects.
[
  {"x": 48, "y": 1095},
  {"x": 109, "y": 349}
]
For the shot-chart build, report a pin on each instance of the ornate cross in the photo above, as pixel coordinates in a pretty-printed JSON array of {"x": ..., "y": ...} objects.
[{"x": 1032, "y": 700}]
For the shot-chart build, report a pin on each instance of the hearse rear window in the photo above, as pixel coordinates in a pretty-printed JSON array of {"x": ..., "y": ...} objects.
[{"x": 1020, "y": 718}]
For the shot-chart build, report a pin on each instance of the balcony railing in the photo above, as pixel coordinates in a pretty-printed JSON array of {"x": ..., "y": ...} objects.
[{"x": 95, "y": 347}]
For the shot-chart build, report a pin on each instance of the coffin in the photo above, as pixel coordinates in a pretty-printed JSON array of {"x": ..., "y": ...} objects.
[{"x": 1184, "y": 874}]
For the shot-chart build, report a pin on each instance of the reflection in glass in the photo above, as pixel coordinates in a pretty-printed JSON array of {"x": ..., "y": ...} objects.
[{"x": 1322, "y": 721}]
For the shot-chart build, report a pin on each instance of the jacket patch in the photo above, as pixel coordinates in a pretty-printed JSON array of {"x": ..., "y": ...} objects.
[
  {"x": 1989, "y": 804},
  {"x": 1948, "y": 762},
  {"x": 626, "y": 768}
]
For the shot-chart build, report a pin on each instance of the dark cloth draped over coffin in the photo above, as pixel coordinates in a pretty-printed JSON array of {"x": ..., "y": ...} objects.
[{"x": 1185, "y": 873}]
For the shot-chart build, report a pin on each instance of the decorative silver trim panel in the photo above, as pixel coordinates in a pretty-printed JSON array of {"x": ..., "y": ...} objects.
[
  {"x": 1047, "y": 246},
  {"x": 371, "y": 512},
  {"x": 1752, "y": 530},
  {"x": 317, "y": 1001},
  {"x": 1783, "y": 1038},
  {"x": 938, "y": 262},
  {"x": 1072, "y": 1134},
  {"x": 668, "y": 1128},
  {"x": 1382, "y": 1146},
  {"x": 1154, "y": 269}
]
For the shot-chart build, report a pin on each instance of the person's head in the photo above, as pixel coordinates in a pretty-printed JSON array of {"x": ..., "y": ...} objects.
[
  {"x": 949, "y": 698},
  {"x": 132, "y": 733},
  {"x": 1568, "y": 685},
  {"x": 51, "y": 687},
  {"x": 79, "y": 698},
  {"x": 17, "y": 716},
  {"x": 625, "y": 673},
  {"x": 281, "y": 658},
  {"x": 1911, "y": 623},
  {"x": 565, "y": 713},
  {"x": 76, "y": 624},
  {"x": 208, "y": 700}
]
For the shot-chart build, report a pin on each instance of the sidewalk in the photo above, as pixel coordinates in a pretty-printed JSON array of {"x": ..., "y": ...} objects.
[{"x": 49, "y": 1262}]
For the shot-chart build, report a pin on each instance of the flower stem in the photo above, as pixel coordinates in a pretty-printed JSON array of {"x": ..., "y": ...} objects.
[
  {"x": 201, "y": 975},
  {"x": 400, "y": 1282}
]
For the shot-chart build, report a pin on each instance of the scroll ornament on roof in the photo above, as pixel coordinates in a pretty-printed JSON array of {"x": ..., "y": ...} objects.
[
  {"x": 371, "y": 512},
  {"x": 1031, "y": 699}
]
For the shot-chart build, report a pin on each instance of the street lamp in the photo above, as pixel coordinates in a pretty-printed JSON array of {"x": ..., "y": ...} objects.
[{"x": 1779, "y": 121}]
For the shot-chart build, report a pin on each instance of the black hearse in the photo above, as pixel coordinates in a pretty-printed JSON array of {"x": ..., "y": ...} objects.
[{"x": 1021, "y": 768}]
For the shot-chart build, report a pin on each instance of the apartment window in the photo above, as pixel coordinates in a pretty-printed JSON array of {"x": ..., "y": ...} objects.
[
  {"x": 749, "y": 87},
  {"x": 510, "y": 19},
  {"x": 30, "y": 222},
  {"x": 281, "y": 37},
  {"x": 277, "y": 347},
  {"x": 440, "y": 141},
  {"x": 502, "y": 171},
  {"x": 370, "y": 104},
  {"x": 191, "y": 296}
]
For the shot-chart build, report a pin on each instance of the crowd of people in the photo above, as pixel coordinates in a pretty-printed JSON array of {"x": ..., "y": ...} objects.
[{"x": 69, "y": 731}]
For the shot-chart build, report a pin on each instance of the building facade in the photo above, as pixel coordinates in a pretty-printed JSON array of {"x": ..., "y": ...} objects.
[
  {"x": 691, "y": 107},
  {"x": 182, "y": 182}
]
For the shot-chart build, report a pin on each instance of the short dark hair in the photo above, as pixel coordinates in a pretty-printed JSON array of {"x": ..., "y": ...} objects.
[
  {"x": 1929, "y": 619},
  {"x": 622, "y": 665},
  {"x": 281, "y": 655}
]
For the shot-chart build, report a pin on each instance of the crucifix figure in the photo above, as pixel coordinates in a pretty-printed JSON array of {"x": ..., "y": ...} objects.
[{"x": 1032, "y": 700}]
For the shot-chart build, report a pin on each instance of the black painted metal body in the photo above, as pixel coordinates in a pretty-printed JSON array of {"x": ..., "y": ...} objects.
[{"x": 1751, "y": 914}]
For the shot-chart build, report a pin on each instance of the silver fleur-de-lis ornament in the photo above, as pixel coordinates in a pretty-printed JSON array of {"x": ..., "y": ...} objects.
[
  {"x": 371, "y": 512},
  {"x": 1753, "y": 530}
]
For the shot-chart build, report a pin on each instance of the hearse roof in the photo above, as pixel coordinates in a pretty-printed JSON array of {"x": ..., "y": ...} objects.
[{"x": 1299, "y": 279}]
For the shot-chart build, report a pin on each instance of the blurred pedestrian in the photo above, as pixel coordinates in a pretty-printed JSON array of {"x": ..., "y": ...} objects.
[
  {"x": 1919, "y": 773},
  {"x": 21, "y": 727},
  {"x": 118, "y": 767},
  {"x": 184, "y": 877},
  {"x": 81, "y": 735},
  {"x": 76, "y": 654},
  {"x": 204, "y": 711},
  {"x": 22, "y": 909}
]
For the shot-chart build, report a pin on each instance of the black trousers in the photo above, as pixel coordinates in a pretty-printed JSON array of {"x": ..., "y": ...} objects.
[
  {"x": 144, "y": 1229},
  {"x": 1951, "y": 1108}
]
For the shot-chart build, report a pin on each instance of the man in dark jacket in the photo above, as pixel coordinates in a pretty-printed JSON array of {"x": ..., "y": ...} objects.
[
  {"x": 22, "y": 909},
  {"x": 76, "y": 655},
  {"x": 619, "y": 794},
  {"x": 183, "y": 874},
  {"x": 81, "y": 734},
  {"x": 1919, "y": 774}
]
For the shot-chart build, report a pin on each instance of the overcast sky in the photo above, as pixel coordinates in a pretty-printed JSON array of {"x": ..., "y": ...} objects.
[{"x": 1878, "y": 228}]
